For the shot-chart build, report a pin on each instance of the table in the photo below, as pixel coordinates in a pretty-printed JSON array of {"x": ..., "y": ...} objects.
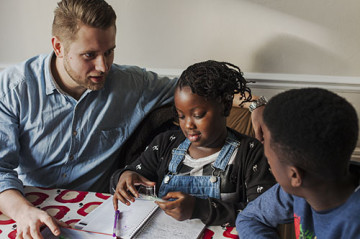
[{"x": 71, "y": 206}]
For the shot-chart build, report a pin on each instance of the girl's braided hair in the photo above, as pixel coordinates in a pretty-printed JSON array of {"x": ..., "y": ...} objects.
[{"x": 216, "y": 80}]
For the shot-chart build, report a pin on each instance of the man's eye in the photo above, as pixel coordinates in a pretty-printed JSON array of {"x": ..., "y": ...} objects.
[
  {"x": 108, "y": 53},
  {"x": 89, "y": 55}
]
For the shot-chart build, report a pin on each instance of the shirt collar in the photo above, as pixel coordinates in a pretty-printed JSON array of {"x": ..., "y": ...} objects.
[{"x": 50, "y": 83}]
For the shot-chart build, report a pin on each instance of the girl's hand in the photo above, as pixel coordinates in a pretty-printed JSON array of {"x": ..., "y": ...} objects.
[
  {"x": 181, "y": 208},
  {"x": 125, "y": 189}
]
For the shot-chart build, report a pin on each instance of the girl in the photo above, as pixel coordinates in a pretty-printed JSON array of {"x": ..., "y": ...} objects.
[{"x": 206, "y": 170}]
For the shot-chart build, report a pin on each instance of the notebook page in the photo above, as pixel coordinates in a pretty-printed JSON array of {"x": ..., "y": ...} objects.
[
  {"x": 163, "y": 226},
  {"x": 105, "y": 212},
  {"x": 132, "y": 217},
  {"x": 73, "y": 233}
]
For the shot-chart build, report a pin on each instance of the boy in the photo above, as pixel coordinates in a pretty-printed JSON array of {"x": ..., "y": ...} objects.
[{"x": 309, "y": 136}]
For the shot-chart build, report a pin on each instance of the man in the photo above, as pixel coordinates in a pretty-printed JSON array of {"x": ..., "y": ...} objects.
[{"x": 64, "y": 116}]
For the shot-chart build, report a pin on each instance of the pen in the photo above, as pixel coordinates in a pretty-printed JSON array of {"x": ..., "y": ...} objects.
[
  {"x": 116, "y": 229},
  {"x": 118, "y": 225}
]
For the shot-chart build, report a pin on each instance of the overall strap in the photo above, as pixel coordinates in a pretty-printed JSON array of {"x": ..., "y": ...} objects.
[
  {"x": 178, "y": 155},
  {"x": 226, "y": 151}
]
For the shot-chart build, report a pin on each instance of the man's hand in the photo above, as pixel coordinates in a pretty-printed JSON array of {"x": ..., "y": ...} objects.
[
  {"x": 125, "y": 189},
  {"x": 32, "y": 219},
  {"x": 181, "y": 208},
  {"x": 257, "y": 122},
  {"x": 29, "y": 219}
]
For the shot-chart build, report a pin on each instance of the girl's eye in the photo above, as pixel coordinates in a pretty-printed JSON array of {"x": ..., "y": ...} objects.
[
  {"x": 181, "y": 116},
  {"x": 199, "y": 116}
]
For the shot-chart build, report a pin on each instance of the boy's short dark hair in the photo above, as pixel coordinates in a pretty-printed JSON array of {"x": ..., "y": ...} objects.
[
  {"x": 313, "y": 129},
  {"x": 215, "y": 80}
]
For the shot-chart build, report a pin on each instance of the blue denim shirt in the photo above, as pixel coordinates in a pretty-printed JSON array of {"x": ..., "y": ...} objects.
[{"x": 49, "y": 139}]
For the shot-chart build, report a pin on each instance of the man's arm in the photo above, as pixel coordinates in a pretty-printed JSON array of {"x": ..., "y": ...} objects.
[
  {"x": 157, "y": 90},
  {"x": 238, "y": 100},
  {"x": 256, "y": 115},
  {"x": 260, "y": 217},
  {"x": 28, "y": 218},
  {"x": 257, "y": 122}
]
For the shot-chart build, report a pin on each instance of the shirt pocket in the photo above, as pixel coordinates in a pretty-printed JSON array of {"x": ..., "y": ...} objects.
[
  {"x": 111, "y": 135},
  {"x": 105, "y": 141}
]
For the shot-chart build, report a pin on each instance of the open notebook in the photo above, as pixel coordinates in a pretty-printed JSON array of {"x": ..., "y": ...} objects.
[
  {"x": 142, "y": 219},
  {"x": 69, "y": 233}
]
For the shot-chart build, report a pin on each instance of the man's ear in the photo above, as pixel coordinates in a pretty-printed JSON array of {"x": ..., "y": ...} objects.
[
  {"x": 296, "y": 176},
  {"x": 57, "y": 46}
]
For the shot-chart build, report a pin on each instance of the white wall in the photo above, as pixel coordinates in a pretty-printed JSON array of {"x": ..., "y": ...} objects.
[
  {"x": 317, "y": 37},
  {"x": 353, "y": 96},
  {"x": 280, "y": 43}
]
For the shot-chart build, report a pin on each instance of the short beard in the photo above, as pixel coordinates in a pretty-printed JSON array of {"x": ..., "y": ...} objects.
[{"x": 86, "y": 83}]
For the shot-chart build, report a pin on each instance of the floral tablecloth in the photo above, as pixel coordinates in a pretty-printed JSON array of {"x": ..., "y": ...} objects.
[{"x": 71, "y": 206}]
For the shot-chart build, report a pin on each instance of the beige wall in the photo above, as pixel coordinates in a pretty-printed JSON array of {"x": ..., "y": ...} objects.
[
  {"x": 283, "y": 40},
  {"x": 320, "y": 37},
  {"x": 352, "y": 96}
]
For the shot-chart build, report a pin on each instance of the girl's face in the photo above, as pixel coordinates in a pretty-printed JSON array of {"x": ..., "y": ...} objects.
[{"x": 202, "y": 121}]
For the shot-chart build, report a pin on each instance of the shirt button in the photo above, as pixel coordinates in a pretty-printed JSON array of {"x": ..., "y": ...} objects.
[
  {"x": 71, "y": 157},
  {"x": 74, "y": 133},
  {"x": 64, "y": 175}
]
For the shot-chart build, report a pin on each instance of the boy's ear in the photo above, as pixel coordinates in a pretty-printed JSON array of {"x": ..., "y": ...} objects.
[{"x": 296, "y": 176}]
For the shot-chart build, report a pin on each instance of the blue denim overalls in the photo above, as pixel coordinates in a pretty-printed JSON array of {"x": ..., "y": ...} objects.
[{"x": 198, "y": 186}]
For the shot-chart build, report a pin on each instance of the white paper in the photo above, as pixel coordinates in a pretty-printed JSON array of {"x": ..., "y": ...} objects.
[
  {"x": 131, "y": 217},
  {"x": 163, "y": 226},
  {"x": 142, "y": 218},
  {"x": 67, "y": 233}
]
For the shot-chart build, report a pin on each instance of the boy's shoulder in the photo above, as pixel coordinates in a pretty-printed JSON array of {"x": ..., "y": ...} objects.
[{"x": 349, "y": 221}]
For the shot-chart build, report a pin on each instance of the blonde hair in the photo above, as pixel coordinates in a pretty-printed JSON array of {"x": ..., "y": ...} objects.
[{"x": 70, "y": 14}]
